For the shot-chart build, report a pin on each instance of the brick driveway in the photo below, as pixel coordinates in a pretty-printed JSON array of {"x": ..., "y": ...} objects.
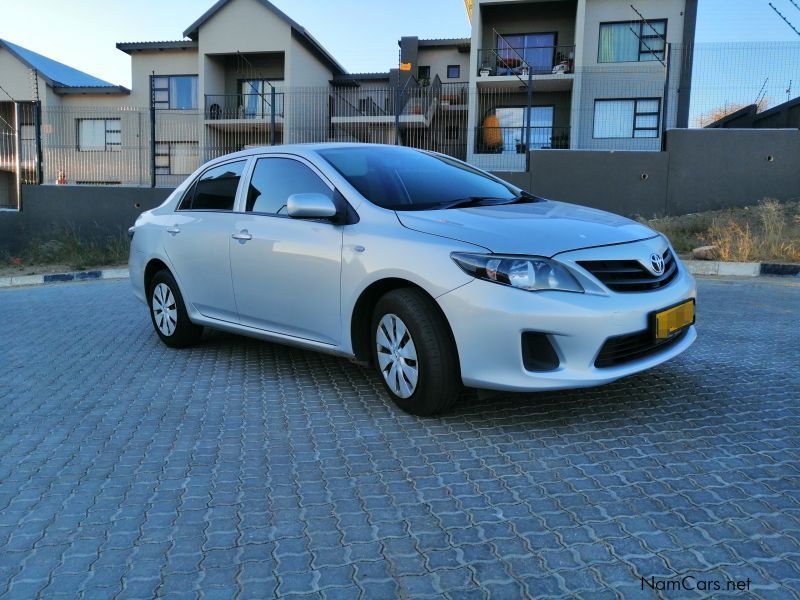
[{"x": 244, "y": 469}]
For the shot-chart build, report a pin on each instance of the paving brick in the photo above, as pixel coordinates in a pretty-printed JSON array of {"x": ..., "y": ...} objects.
[{"x": 245, "y": 468}]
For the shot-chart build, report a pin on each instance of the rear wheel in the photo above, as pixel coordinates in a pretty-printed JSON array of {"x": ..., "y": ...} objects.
[
  {"x": 168, "y": 313},
  {"x": 414, "y": 353}
]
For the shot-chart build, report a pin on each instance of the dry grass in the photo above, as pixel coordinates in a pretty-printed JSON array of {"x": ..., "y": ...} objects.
[
  {"x": 734, "y": 241},
  {"x": 769, "y": 231},
  {"x": 64, "y": 248}
]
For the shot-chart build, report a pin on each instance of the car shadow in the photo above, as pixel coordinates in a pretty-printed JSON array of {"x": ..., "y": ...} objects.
[{"x": 654, "y": 394}]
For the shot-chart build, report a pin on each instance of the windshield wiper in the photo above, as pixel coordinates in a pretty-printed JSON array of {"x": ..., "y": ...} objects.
[
  {"x": 474, "y": 201},
  {"x": 487, "y": 201},
  {"x": 527, "y": 196}
]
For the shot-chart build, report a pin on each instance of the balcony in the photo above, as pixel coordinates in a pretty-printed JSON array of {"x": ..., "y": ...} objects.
[
  {"x": 553, "y": 64},
  {"x": 511, "y": 140},
  {"x": 411, "y": 106},
  {"x": 244, "y": 110},
  {"x": 454, "y": 96}
]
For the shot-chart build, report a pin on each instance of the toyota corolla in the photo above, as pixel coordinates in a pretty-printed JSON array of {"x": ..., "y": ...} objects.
[{"x": 435, "y": 272}]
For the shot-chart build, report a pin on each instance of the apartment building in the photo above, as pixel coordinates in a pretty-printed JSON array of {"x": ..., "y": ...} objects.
[
  {"x": 597, "y": 71},
  {"x": 233, "y": 67},
  {"x": 535, "y": 74}
]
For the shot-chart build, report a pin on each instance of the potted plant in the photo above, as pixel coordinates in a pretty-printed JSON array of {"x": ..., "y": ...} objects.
[{"x": 485, "y": 71}]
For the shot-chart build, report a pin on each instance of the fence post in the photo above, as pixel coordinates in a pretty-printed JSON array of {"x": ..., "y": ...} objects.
[
  {"x": 397, "y": 115},
  {"x": 152, "y": 136},
  {"x": 528, "y": 120},
  {"x": 17, "y": 153},
  {"x": 665, "y": 103},
  {"x": 37, "y": 126},
  {"x": 139, "y": 157},
  {"x": 272, "y": 115}
]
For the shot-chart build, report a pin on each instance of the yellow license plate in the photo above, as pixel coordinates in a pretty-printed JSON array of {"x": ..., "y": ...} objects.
[{"x": 674, "y": 319}]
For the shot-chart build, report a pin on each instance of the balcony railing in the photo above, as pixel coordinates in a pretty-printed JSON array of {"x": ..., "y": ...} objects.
[
  {"x": 536, "y": 60},
  {"x": 411, "y": 100},
  {"x": 244, "y": 106},
  {"x": 511, "y": 140},
  {"x": 454, "y": 94}
]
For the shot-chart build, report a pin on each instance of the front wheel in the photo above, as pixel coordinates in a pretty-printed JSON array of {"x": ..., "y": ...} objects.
[
  {"x": 414, "y": 353},
  {"x": 168, "y": 313}
]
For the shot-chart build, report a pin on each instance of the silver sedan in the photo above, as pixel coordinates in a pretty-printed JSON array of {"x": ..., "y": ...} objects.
[{"x": 438, "y": 274}]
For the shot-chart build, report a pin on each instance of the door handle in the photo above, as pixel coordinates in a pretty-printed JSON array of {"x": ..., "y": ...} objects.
[
  {"x": 174, "y": 230},
  {"x": 243, "y": 235}
]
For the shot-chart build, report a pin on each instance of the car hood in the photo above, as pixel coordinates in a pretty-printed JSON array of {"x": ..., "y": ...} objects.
[{"x": 539, "y": 228}]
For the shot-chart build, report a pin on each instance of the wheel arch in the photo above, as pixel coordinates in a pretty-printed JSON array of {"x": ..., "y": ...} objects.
[
  {"x": 361, "y": 319},
  {"x": 154, "y": 265}
]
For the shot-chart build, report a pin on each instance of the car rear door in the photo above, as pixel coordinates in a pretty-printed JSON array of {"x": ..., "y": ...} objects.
[
  {"x": 286, "y": 271},
  {"x": 197, "y": 240}
]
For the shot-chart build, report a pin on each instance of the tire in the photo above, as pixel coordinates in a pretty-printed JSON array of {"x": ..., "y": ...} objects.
[
  {"x": 414, "y": 353},
  {"x": 168, "y": 312}
]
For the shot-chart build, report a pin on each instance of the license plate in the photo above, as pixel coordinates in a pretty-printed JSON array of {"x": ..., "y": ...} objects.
[{"x": 672, "y": 320}]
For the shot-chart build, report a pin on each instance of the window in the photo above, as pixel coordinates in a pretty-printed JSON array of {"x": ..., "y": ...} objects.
[
  {"x": 536, "y": 50},
  {"x": 633, "y": 118},
  {"x": 512, "y": 127},
  {"x": 174, "y": 91},
  {"x": 400, "y": 178},
  {"x": 27, "y": 141},
  {"x": 368, "y": 107},
  {"x": 424, "y": 72},
  {"x": 99, "y": 135},
  {"x": 215, "y": 189},
  {"x": 632, "y": 41},
  {"x": 453, "y": 71},
  {"x": 275, "y": 179},
  {"x": 176, "y": 158},
  {"x": 257, "y": 98}
]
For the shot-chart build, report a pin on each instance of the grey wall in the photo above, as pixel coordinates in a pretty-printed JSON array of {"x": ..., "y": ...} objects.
[
  {"x": 634, "y": 182},
  {"x": 94, "y": 213},
  {"x": 8, "y": 189},
  {"x": 718, "y": 168},
  {"x": 786, "y": 115},
  {"x": 701, "y": 169}
]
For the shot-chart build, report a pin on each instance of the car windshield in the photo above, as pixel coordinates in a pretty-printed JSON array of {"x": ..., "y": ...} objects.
[{"x": 400, "y": 178}]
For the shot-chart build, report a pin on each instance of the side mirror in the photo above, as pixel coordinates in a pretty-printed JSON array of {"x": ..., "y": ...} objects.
[{"x": 310, "y": 206}]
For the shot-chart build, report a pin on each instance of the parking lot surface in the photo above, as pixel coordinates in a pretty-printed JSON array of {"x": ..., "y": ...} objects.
[{"x": 245, "y": 469}]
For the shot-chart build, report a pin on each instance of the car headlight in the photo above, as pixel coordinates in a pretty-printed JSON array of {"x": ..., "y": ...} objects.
[{"x": 531, "y": 273}]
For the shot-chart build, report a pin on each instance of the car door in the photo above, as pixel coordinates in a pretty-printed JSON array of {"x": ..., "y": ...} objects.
[
  {"x": 198, "y": 237},
  {"x": 286, "y": 271}
]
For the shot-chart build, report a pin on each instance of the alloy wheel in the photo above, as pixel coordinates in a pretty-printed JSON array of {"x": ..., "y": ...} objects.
[
  {"x": 397, "y": 356},
  {"x": 165, "y": 309}
]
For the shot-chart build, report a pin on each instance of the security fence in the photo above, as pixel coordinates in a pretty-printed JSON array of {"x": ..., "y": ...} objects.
[
  {"x": 523, "y": 104},
  {"x": 19, "y": 152}
]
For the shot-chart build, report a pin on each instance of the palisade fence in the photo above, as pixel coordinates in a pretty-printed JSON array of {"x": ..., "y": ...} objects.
[{"x": 491, "y": 123}]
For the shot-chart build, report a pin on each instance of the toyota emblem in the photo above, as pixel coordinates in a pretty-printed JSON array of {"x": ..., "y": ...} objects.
[{"x": 657, "y": 262}]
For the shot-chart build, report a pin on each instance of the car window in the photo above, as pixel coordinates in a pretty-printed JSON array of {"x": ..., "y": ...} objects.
[
  {"x": 275, "y": 179},
  {"x": 215, "y": 189},
  {"x": 406, "y": 179}
]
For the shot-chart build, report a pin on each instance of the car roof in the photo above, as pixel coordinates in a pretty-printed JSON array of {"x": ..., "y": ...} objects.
[{"x": 302, "y": 149}]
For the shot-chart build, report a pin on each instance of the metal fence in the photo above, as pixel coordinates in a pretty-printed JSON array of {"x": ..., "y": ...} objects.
[
  {"x": 19, "y": 153},
  {"x": 491, "y": 123}
]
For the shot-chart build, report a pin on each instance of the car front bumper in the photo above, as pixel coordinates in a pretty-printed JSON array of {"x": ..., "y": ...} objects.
[{"x": 488, "y": 321}]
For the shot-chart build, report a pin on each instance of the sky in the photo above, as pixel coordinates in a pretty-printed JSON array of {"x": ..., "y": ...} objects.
[{"x": 361, "y": 34}]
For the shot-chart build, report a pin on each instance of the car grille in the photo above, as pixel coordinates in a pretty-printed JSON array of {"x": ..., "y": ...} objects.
[
  {"x": 631, "y": 275},
  {"x": 632, "y": 346}
]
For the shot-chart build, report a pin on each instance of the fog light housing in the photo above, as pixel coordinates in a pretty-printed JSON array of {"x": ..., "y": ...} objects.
[{"x": 538, "y": 354}]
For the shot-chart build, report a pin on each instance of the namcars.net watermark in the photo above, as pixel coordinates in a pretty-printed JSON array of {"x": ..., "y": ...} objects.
[{"x": 689, "y": 583}]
